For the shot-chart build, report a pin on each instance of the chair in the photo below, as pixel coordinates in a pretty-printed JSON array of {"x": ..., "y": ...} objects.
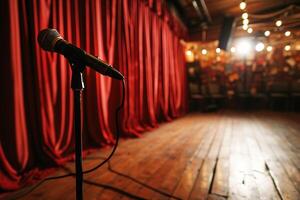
[
  {"x": 259, "y": 96},
  {"x": 279, "y": 93},
  {"x": 215, "y": 94},
  {"x": 243, "y": 95},
  {"x": 196, "y": 98}
]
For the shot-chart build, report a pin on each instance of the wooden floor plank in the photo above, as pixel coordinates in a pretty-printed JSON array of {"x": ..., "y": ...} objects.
[
  {"x": 185, "y": 185},
  {"x": 206, "y": 172},
  {"x": 215, "y": 156},
  {"x": 275, "y": 164},
  {"x": 157, "y": 178},
  {"x": 221, "y": 180},
  {"x": 167, "y": 176},
  {"x": 286, "y": 155},
  {"x": 258, "y": 169},
  {"x": 170, "y": 183},
  {"x": 152, "y": 158},
  {"x": 242, "y": 184}
]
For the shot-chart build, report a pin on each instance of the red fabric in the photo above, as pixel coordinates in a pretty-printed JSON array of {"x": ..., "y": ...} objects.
[{"x": 140, "y": 38}]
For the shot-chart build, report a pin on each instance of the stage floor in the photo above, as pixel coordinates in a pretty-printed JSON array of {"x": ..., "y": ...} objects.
[{"x": 224, "y": 155}]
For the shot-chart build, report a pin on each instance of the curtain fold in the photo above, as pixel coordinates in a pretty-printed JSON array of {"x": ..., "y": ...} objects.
[{"x": 140, "y": 38}]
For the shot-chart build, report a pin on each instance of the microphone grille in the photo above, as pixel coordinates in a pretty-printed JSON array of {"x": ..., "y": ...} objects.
[{"x": 47, "y": 39}]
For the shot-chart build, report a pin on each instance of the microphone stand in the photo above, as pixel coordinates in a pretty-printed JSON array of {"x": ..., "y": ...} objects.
[{"x": 77, "y": 85}]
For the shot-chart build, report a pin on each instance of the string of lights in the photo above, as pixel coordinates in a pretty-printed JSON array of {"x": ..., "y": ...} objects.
[
  {"x": 262, "y": 40},
  {"x": 278, "y": 24}
]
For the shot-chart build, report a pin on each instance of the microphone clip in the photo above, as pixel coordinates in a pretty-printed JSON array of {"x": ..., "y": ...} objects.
[{"x": 77, "y": 82}]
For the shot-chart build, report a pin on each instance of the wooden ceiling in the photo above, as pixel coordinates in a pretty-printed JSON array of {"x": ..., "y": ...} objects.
[{"x": 208, "y": 15}]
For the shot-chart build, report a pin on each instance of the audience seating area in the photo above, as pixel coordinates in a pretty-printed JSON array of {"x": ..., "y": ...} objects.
[{"x": 276, "y": 95}]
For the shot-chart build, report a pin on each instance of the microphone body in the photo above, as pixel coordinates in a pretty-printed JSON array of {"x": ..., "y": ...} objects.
[{"x": 50, "y": 40}]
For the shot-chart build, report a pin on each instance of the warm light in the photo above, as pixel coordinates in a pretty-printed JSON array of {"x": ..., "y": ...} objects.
[
  {"x": 243, "y": 47},
  {"x": 267, "y": 33},
  {"x": 245, "y": 27},
  {"x": 245, "y": 15},
  {"x": 189, "y": 53},
  {"x": 287, "y": 47},
  {"x": 269, "y": 48},
  {"x": 287, "y": 33},
  {"x": 278, "y": 23},
  {"x": 204, "y": 51},
  {"x": 243, "y": 5},
  {"x": 232, "y": 49},
  {"x": 218, "y": 50},
  {"x": 189, "y": 56},
  {"x": 259, "y": 47},
  {"x": 246, "y": 21},
  {"x": 297, "y": 46},
  {"x": 250, "y": 30}
]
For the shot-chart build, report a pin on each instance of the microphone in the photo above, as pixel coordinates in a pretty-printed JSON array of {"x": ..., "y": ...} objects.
[{"x": 51, "y": 40}]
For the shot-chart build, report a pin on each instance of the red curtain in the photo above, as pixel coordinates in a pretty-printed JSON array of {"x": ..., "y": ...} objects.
[{"x": 140, "y": 38}]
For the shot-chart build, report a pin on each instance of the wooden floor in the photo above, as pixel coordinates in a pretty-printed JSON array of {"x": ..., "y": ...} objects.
[{"x": 224, "y": 155}]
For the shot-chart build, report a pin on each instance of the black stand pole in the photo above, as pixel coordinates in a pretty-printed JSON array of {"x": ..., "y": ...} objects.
[{"x": 78, "y": 86}]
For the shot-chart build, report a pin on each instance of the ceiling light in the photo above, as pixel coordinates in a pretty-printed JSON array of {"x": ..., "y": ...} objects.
[
  {"x": 269, "y": 48},
  {"x": 232, "y": 49},
  {"x": 267, "y": 33},
  {"x": 287, "y": 33},
  {"x": 245, "y": 27},
  {"x": 204, "y": 51},
  {"x": 278, "y": 23},
  {"x": 287, "y": 47},
  {"x": 245, "y": 15},
  {"x": 218, "y": 50},
  {"x": 246, "y": 21},
  {"x": 243, "y": 5},
  {"x": 243, "y": 47},
  {"x": 259, "y": 47},
  {"x": 250, "y": 30}
]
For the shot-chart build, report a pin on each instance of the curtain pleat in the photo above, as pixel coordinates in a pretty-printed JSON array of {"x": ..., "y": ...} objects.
[{"x": 140, "y": 38}]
